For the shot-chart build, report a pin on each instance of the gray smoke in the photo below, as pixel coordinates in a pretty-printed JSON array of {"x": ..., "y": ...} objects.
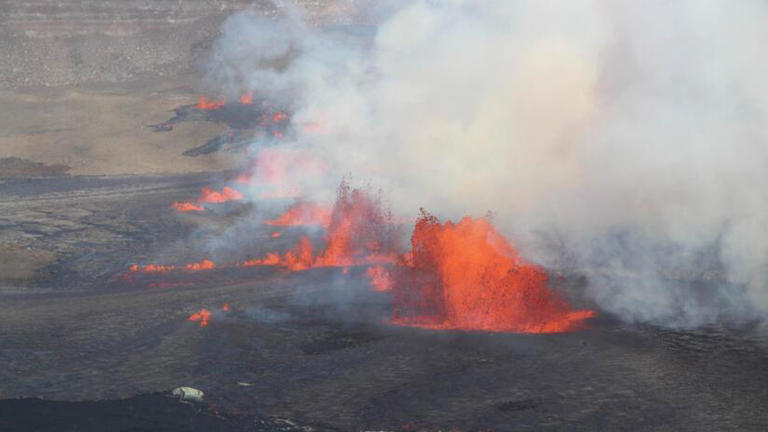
[{"x": 625, "y": 140}]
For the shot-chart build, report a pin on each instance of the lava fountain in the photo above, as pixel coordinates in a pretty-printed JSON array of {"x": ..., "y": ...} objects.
[{"x": 468, "y": 276}]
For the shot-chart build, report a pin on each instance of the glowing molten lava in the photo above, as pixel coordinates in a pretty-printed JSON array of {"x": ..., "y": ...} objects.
[
  {"x": 204, "y": 104},
  {"x": 187, "y": 206},
  {"x": 209, "y": 195},
  {"x": 303, "y": 213},
  {"x": 301, "y": 257},
  {"x": 151, "y": 268},
  {"x": 467, "y": 276},
  {"x": 203, "y": 316},
  {"x": 202, "y": 265},
  {"x": 155, "y": 268}
]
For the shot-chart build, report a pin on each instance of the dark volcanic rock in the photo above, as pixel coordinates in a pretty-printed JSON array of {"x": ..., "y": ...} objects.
[{"x": 154, "y": 412}]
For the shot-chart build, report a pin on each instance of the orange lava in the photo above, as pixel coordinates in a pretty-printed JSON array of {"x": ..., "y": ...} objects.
[
  {"x": 155, "y": 268},
  {"x": 151, "y": 268},
  {"x": 202, "y": 265},
  {"x": 209, "y": 195},
  {"x": 380, "y": 278},
  {"x": 187, "y": 206},
  {"x": 301, "y": 257},
  {"x": 359, "y": 232},
  {"x": 203, "y": 316},
  {"x": 204, "y": 104},
  {"x": 467, "y": 276},
  {"x": 303, "y": 213},
  {"x": 246, "y": 99},
  {"x": 276, "y": 234}
]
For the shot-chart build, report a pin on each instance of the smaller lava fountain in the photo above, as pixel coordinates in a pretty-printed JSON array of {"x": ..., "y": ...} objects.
[{"x": 359, "y": 233}]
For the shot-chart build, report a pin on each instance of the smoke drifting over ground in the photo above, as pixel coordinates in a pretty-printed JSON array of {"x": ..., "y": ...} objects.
[{"x": 623, "y": 140}]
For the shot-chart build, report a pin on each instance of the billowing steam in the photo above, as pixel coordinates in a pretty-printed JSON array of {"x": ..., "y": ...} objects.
[{"x": 625, "y": 140}]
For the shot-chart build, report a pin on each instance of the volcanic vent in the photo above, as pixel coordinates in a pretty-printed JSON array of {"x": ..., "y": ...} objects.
[{"x": 463, "y": 276}]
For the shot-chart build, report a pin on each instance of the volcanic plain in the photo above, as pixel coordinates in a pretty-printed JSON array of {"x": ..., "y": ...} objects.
[
  {"x": 86, "y": 191},
  {"x": 295, "y": 345}
]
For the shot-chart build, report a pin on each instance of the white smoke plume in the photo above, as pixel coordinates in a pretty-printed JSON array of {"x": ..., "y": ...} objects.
[{"x": 625, "y": 140}]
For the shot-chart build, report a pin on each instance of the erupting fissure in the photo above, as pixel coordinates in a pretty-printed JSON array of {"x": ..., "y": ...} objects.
[
  {"x": 456, "y": 276},
  {"x": 467, "y": 276},
  {"x": 463, "y": 275},
  {"x": 151, "y": 268}
]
